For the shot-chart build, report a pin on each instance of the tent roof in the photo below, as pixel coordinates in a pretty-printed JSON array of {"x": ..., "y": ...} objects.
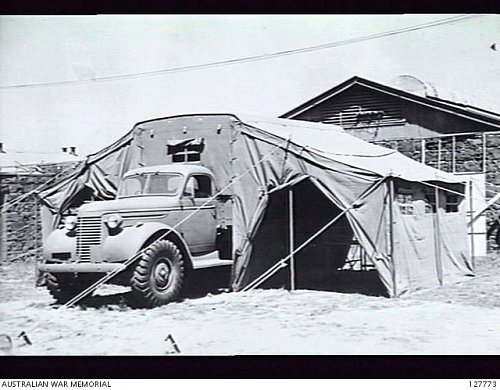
[
  {"x": 329, "y": 141},
  {"x": 334, "y": 143}
]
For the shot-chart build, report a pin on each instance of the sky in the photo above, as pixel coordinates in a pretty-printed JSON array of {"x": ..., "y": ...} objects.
[{"x": 44, "y": 49}]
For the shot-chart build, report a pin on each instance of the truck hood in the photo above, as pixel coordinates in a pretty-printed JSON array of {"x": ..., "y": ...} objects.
[{"x": 130, "y": 204}]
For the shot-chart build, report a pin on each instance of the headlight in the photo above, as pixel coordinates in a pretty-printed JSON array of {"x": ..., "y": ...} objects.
[
  {"x": 113, "y": 220},
  {"x": 70, "y": 222}
]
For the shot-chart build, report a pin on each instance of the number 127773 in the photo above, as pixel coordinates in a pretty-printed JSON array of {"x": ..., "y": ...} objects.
[{"x": 482, "y": 383}]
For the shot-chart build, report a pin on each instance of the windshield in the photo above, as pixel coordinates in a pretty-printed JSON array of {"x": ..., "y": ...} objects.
[{"x": 150, "y": 184}]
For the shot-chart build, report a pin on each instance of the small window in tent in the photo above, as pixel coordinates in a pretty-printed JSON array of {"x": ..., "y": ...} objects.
[{"x": 404, "y": 198}]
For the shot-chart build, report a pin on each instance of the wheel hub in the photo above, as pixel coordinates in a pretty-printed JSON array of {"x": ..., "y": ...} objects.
[{"x": 162, "y": 274}]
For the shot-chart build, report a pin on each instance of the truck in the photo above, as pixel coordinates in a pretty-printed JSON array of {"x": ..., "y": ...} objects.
[{"x": 169, "y": 211}]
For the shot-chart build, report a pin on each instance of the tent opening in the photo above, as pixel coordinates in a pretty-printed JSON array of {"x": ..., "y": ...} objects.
[
  {"x": 327, "y": 262},
  {"x": 83, "y": 196}
]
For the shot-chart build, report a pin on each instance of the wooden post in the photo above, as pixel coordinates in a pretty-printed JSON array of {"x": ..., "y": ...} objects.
[
  {"x": 36, "y": 229},
  {"x": 471, "y": 216},
  {"x": 38, "y": 274},
  {"x": 291, "y": 239},
  {"x": 3, "y": 231},
  {"x": 439, "y": 154},
  {"x": 437, "y": 238},
  {"x": 484, "y": 153},
  {"x": 391, "y": 234},
  {"x": 453, "y": 154}
]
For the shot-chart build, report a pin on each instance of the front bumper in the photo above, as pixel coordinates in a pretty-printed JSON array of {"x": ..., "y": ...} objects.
[{"x": 81, "y": 267}]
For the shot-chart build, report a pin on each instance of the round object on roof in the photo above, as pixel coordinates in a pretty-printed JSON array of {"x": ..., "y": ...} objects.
[{"x": 415, "y": 85}]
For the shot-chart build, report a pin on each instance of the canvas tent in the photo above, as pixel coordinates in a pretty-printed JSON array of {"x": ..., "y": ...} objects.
[{"x": 408, "y": 217}]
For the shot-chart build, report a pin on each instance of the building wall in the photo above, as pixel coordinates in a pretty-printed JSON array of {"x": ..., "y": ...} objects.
[{"x": 20, "y": 221}]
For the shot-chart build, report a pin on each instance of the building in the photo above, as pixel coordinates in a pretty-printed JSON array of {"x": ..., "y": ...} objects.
[
  {"x": 416, "y": 109},
  {"x": 440, "y": 128}
]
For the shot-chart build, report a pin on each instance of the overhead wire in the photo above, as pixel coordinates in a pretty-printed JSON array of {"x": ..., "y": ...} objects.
[{"x": 260, "y": 57}]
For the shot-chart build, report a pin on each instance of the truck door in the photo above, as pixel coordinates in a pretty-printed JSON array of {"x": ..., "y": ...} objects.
[{"x": 200, "y": 230}]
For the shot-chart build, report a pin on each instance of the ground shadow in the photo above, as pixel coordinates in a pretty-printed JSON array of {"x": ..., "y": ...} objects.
[
  {"x": 199, "y": 284},
  {"x": 208, "y": 281},
  {"x": 350, "y": 281}
]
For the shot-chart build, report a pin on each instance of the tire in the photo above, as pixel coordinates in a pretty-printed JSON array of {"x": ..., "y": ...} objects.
[
  {"x": 158, "y": 276},
  {"x": 63, "y": 287}
]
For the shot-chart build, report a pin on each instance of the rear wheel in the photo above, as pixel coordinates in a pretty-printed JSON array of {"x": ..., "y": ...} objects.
[
  {"x": 63, "y": 287},
  {"x": 159, "y": 275}
]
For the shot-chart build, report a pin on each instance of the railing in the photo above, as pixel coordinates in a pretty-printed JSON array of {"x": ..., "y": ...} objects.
[{"x": 447, "y": 151}]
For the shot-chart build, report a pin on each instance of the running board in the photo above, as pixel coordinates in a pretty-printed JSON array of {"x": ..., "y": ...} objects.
[{"x": 209, "y": 260}]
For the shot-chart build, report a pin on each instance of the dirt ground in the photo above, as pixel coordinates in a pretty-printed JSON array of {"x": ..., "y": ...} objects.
[{"x": 457, "y": 319}]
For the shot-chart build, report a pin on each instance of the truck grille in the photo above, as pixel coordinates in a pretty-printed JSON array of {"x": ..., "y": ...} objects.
[{"x": 88, "y": 234}]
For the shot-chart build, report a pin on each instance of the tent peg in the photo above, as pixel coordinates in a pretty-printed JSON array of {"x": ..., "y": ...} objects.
[
  {"x": 24, "y": 336},
  {"x": 170, "y": 338}
]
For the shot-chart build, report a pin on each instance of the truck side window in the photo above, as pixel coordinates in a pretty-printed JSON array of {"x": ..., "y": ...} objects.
[{"x": 202, "y": 186}]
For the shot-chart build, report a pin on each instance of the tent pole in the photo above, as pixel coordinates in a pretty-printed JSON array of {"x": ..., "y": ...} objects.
[
  {"x": 282, "y": 263},
  {"x": 291, "y": 228},
  {"x": 391, "y": 234}
]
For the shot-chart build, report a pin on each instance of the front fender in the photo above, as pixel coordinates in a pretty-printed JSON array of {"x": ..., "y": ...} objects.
[
  {"x": 59, "y": 242},
  {"x": 130, "y": 240}
]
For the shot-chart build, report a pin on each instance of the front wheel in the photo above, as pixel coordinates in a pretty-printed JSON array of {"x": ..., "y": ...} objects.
[
  {"x": 63, "y": 287},
  {"x": 159, "y": 275}
]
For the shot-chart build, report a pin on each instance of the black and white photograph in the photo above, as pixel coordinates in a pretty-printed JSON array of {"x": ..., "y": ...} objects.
[{"x": 232, "y": 185}]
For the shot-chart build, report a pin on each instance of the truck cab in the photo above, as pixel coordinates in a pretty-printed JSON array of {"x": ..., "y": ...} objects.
[{"x": 169, "y": 212}]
